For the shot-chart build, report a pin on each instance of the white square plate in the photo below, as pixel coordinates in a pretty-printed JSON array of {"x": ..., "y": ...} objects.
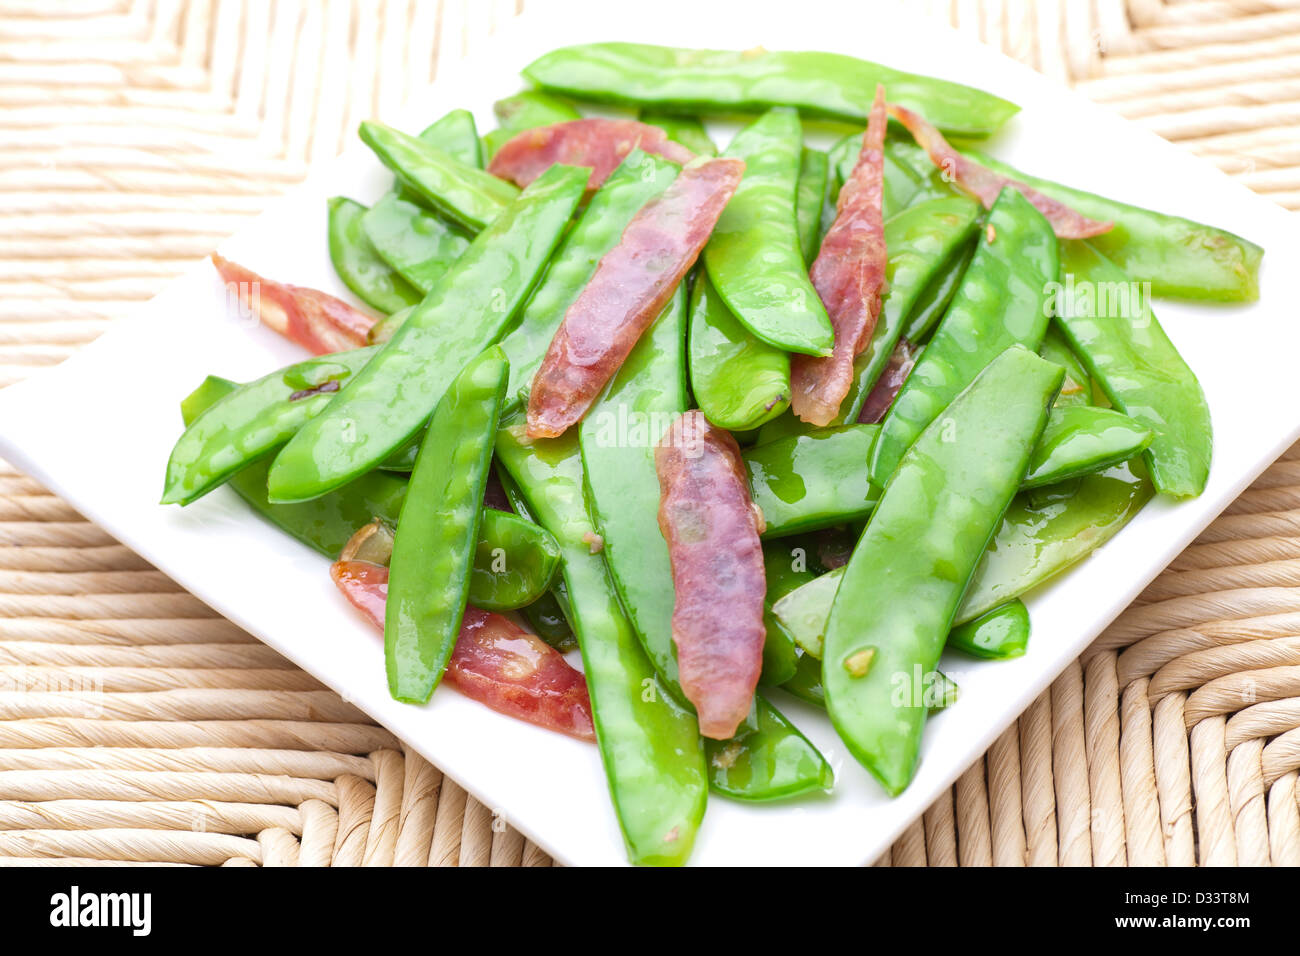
[{"x": 97, "y": 430}]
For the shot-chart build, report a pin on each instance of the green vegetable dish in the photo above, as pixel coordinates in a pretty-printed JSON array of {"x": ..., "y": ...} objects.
[{"x": 609, "y": 385}]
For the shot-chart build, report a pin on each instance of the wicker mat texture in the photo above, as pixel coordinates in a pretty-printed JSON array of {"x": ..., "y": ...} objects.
[{"x": 140, "y": 728}]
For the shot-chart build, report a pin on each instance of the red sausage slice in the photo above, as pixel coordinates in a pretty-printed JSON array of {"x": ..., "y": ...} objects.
[
  {"x": 712, "y": 528},
  {"x": 315, "y": 320},
  {"x": 599, "y": 144},
  {"x": 984, "y": 184},
  {"x": 496, "y": 662},
  {"x": 889, "y": 384},
  {"x": 849, "y": 275},
  {"x": 629, "y": 289}
]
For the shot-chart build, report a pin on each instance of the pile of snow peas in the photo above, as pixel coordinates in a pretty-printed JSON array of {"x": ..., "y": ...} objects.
[{"x": 1012, "y": 403}]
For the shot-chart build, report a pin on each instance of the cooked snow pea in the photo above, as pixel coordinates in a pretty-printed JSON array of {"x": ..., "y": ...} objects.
[
  {"x": 416, "y": 243},
  {"x": 810, "y": 198},
  {"x": 456, "y": 134},
  {"x": 753, "y": 257},
  {"x": 805, "y": 482},
  {"x": 784, "y": 574},
  {"x": 739, "y": 381},
  {"x": 649, "y": 743},
  {"x": 933, "y": 302},
  {"x": 904, "y": 184},
  {"x": 1003, "y": 300},
  {"x": 1108, "y": 321},
  {"x": 254, "y": 420},
  {"x": 1179, "y": 257},
  {"x": 438, "y": 530},
  {"x": 723, "y": 81},
  {"x": 687, "y": 131},
  {"x": 617, "y": 440},
  {"x": 637, "y": 180},
  {"x": 359, "y": 264},
  {"x": 1077, "y": 389},
  {"x": 806, "y": 685},
  {"x": 997, "y": 635},
  {"x": 1080, "y": 440},
  {"x": 526, "y": 110},
  {"x": 468, "y": 310},
  {"x": 383, "y": 330},
  {"x": 549, "y": 622},
  {"x": 514, "y": 562},
  {"x": 469, "y": 196},
  {"x": 922, "y": 241},
  {"x": 894, "y": 606}
]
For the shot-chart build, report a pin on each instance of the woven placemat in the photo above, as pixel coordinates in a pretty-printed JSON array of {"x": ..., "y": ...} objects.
[{"x": 137, "y": 727}]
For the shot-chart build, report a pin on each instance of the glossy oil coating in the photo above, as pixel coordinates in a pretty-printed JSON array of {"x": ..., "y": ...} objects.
[
  {"x": 359, "y": 264},
  {"x": 416, "y": 243},
  {"x": 997, "y": 635},
  {"x": 1079, "y": 440}
]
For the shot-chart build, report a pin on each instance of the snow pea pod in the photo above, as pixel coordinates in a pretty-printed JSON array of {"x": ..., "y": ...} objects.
[
  {"x": 769, "y": 758},
  {"x": 933, "y": 302},
  {"x": 467, "y": 311},
  {"x": 359, "y": 264},
  {"x": 526, "y": 110},
  {"x": 649, "y": 743},
  {"x": 811, "y": 195},
  {"x": 469, "y": 196},
  {"x": 438, "y": 529},
  {"x": 806, "y": 685},
  {"x": 253, "y": 420},
  {"x": 805, "y": 482},
  {"x": 905, "y": 580},
  {"x": 549, "y": 621},
  {"x": 713, "y": 81},
  {"x": 904, "y": 183},
  {"x": 784, "y": 574},
  {"x": 996, "y": 635},
  {"x": 456, "y": 134},
  {"x": 1077, "y": 389},
  {"x": 1079, "y": 440},
  {"x": 1002, "y": 301},
  {"x": 1179, "y": 257},
  {"x": 417, "y": 244},
  {"x": 637, "y": 180},
  {"x": 1108, "y": 321},
  {"x": 739, "y": 380},
  {"x": 754, "y": 258},
  {"x": 687, "y": 131}
]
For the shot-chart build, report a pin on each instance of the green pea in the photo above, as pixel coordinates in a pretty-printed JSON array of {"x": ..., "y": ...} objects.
[
  {"x": 469, "y": 309},
  {"x": 740, "y": 382},
  {"x": 415, "y": 243},
  {"x": 1107, "y": 318},
  {"x": 438, "y": 530},
  {"x": 810, "y": 198},
  {"x": 753, "y": 257},
  {"x": 468, "y": 196},
  {"x": 894, "y": 606},
  {"x": 805, "y": 482},
  {"x": 724, "y": 81},
  {"x": 687, "y": 131},
  {"x": 359, "y": 265},
  {"x": 254, "y": 420},
  {"x": 1079, "y": 440},
  {"x": 526, "y": 110},
  {"x": 637, "y": 180},
  {"x": 1003, "y": 300},
  {"x": 996, "y": 635}
]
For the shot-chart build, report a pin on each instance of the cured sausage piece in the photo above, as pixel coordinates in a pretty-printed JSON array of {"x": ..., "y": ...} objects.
[
  {"x": 630, "y": 287},
  {"x": 712, "y": 528},
  {"x": 891, "y": 380},
  {"x": 849, "y": 276},
  {"x": 496, "y": 662},
  {"x": 315, "y": 320},
  {"x": 984, "y": 184},
  {"x": 599, "y": 144}
]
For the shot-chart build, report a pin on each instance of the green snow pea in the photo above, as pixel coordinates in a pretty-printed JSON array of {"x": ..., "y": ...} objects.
[
  {"x": 438, "y": 530},
  {"x": 649, "y": 743},
  {"x": 894, "y": 607},
  {"x": 769, "y": 758},
  {"x": 1079, "y": 440},
  {"x": 805, "y": 482},
  {"x": 1179, "y": 257},
  {"x": 739, "y": 380},
  {"x": 1003, "y": 300},
  {"x": 456, "y": 134},
  {"x": 254, "y": 420},
  {"x": 469, "y": 196},
  {"x": 784, "y": 574},
  {"x": 514, "y": 562},
  {"x": 934, "y": 300},
  {"x": 468, "y": 310},
  {"x": 723, "y": 81},
  {"x": 383, "y": 330},
  {"x": 417, "y": 244},
  {"x": 637, "y": 180},
  {"x": 687, "y": 131},
  {"x": 996, "y": 635},
  {"x": 526, "y": 110},
  {"x": 810, "y": 199},
  {"x": 549, "y": 621},
  {"x": 806, "y": 685},
  {"x": 753, "y": 257},
  {"x": 359, "y": 264},
  {"x": 904, "y": 182},
  {"x": 1077, "y": 389},
  {"x": 922, "y": 241},
  {"x": 1108, "y": 321}
]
